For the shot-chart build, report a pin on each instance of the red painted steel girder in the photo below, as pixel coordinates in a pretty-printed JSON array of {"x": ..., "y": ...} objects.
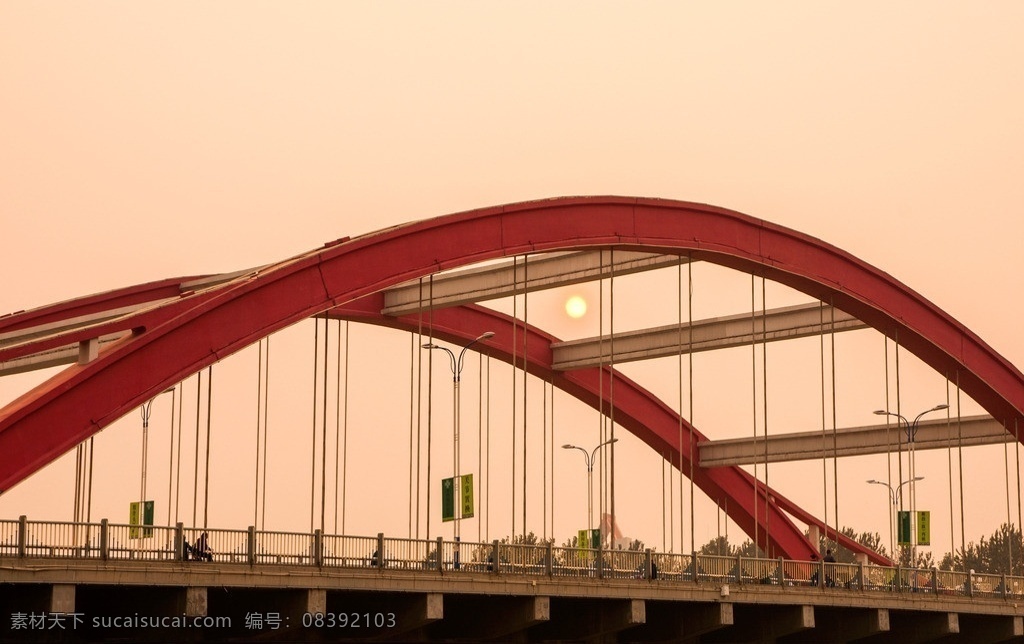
[
  {"x": 82, "y": 399},
  {"x": 636, "y": 409}
]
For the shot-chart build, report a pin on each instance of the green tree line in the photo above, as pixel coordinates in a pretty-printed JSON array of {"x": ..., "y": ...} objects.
[{"x": 1002, "y": 552}]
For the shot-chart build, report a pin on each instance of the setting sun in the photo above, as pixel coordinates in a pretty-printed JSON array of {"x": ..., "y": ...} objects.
[{"x": 576, "y": 306}]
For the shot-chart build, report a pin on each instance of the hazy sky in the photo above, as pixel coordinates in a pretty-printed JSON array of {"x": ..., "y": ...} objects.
[{"x": 146, "y": 140}]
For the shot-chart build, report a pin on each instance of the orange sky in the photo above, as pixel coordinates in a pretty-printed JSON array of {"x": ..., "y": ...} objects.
[{"x": 146, "y": 140}]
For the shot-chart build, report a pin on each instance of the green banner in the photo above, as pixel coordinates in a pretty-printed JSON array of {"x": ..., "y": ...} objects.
[
  {"x": 588, "y": 539},
  {"x": 903, "y": 527},
  {"x": 583, "y": 539},
  {"x": 466, "y": 493},
  {"x": 448, "y": 499},
  {"x": 924, "y": 527},
  {"x": 133, "y": 520}
]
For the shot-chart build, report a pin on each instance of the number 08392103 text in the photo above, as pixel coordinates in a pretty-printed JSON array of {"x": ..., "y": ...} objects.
[{"x": 349, "y": 620}]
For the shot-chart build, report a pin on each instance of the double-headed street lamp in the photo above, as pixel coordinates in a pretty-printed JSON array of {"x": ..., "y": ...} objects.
[
  {"x": 456, "y": 365},
  {"x": 894, "y": 498},
  {"x": 589, "y": 458},
  {"x": 911, "y": 428}
]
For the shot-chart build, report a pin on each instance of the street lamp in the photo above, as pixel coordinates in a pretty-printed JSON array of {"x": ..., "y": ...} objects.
[
  {"x": 911, "y": 436},
  {"x": 589, "y": 459},
  {"x": 456, "y": 365},
  {"x": 894, "y": 498}
]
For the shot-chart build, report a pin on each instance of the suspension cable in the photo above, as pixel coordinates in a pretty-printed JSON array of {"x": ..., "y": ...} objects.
[
  {"x": 611, "y": 391},
  {"x": 412, "y": 415},
  {"x": 323, "y": 431},
  {"x": 312, "y": 465},
  {"x": 526, "y": 337},
  {"x": 430, "y": 394},
  {"x": 764, "y": 410},
  {"x": 899, "y": 430},
  {"x": 515, "y": 314},
  {"x": 552, "y": 385},
  {"x": 78, "y": 482},
  {"x": 544, "y": 455},
  {"x": 259, "y": 400},
  {"x": 888, "y": 448},
  {"x": 146, "y": 410},
  {"x": 835, "y": 438},
  {"x": 487, "y": 498},
  {"x": 337, "y": 428},
  {"x": 419, "y": 408},
  {"x": 824, "y": 435},
  {"x": 170, "y": 456},
  {"x": 679, "y": 354},
  {"x": 344, "y": 432},
  {"x": 195, "y": 468},
  {"x": 88, "y": 506},
  {"x": 177, "y": 477},
  {"x": 949, "y": 462},
  {"x": 693, "y": 422},
  {"x": 1016, "y": 451},
  {"x": 960, "y": 468},
  {"x": 480, "y": 438},
  {"x": 209, "y": 419},
  {"x": 601, "y": 428},
  {"x": 1009, "y": 520},
  {"x": 753, "y": 401},
  {"x": 266, "y": 432},
  {"x": 664, "y": 547}
]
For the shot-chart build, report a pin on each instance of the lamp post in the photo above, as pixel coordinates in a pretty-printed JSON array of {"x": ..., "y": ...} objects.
[
  {"x": 456, "y": 365},
  {"x": 894, "y": 498},
  {"x": 911, "y": 435},
  {"x": 589, "y": 459}
]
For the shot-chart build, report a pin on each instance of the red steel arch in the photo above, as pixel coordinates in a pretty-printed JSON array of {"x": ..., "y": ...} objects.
[{"x": 182, "y": 337}]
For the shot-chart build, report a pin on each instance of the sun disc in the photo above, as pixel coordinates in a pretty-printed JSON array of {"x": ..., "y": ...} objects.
[{"x": 576, "y": 306}]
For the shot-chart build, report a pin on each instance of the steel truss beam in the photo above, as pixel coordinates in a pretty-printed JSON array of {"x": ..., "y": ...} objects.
[
  {"x": 787, "y": 323},
  {"x": 505, "y": 279},
  {"x": 852, "y": 441}
]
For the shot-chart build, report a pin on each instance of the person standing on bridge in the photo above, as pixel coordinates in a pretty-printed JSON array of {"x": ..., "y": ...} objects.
[
  {"x": 202, "y": 548},
  {"x": 829, "y": 580}
]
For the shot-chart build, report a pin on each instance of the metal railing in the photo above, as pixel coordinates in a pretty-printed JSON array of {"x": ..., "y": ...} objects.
[{"x": 106, "y": 541}]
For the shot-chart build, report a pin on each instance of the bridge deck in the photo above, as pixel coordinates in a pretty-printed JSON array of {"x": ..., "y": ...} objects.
[{"x": 460, "y": 605}]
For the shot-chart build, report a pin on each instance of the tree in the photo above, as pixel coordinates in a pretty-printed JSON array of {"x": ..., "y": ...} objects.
[
  {"x": 718, "y": 546},
  {"x": 1001, "y": 553}
]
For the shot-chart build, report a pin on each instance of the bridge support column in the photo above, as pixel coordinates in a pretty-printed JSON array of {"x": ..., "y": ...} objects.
[
  {"x": 196, "y": 602},
  {"x": 768, "y": 624},
  {"x": 848, "y": 624},
  {"x": 913, "y": 627},
  {"x": 668, "y": 621},
  {"x": 62, "y": 598},
  {"x": 993, "y": 628},
  {"x": 414, "y": 614},
  {"x": 587, "y": 620},
  {"x": 316, "y": 600}
]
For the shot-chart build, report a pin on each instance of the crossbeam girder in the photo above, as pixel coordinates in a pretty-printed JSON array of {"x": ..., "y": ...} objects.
[
  {"x": 56, "y": 357},
  {"x": 852, "y": 441},
  {"x": 787, "y": 323},
  {"x": 510, "y": 278}
]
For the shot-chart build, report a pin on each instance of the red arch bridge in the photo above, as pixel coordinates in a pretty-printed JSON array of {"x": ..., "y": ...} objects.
[{"x": 120, "y": 350}]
